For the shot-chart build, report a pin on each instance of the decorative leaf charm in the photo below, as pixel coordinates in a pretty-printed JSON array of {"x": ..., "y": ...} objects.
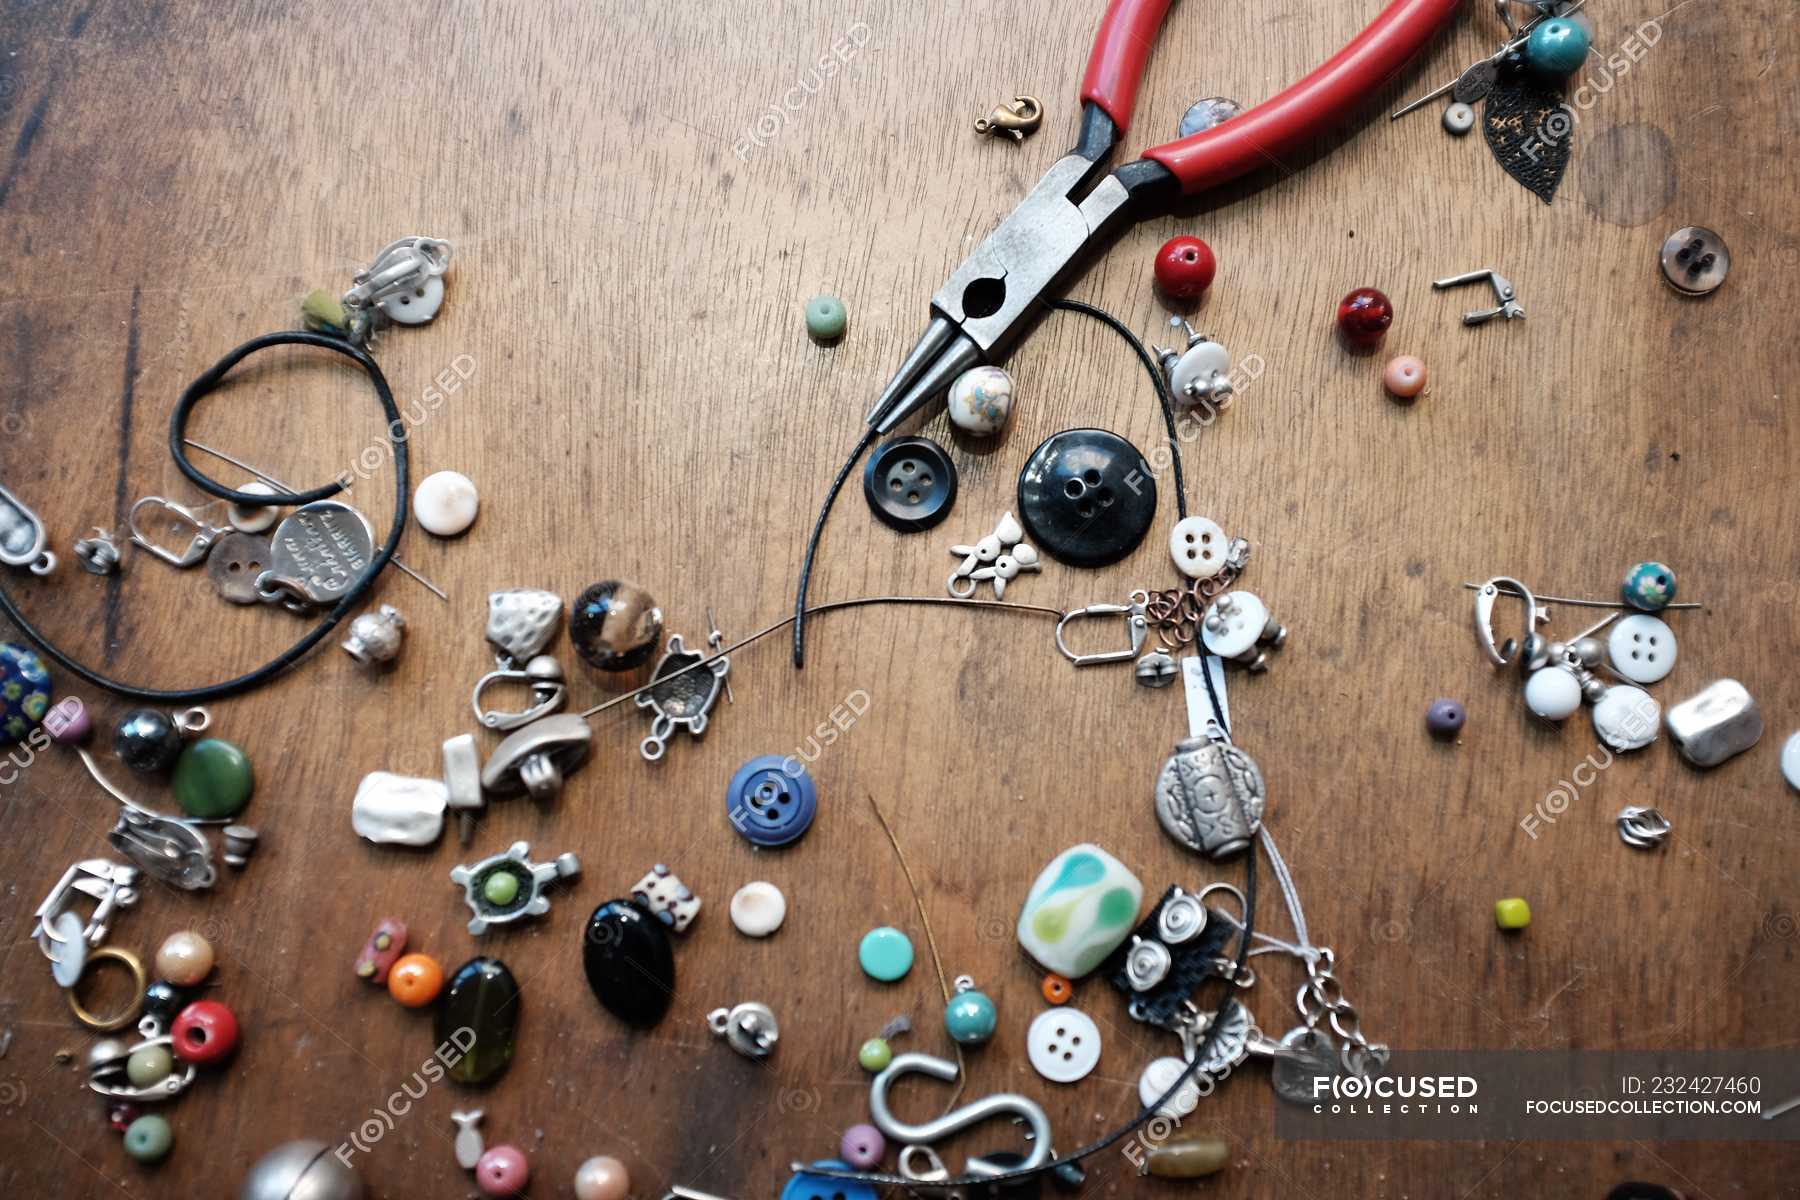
[{"x": 1530, "y": 131}]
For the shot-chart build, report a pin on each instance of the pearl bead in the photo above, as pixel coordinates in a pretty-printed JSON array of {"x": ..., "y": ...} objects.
[
  {"x": 446, "y": 503},
  {"x": 758, "y": 909},
  {"x": 1404, "y": 376},
  {"x": 1185, "y": 268},
  {"x": 1552, "y": 693},
  {"x": 502, "y": 1171},
  {"x": 826, "y": 318},
  {"x": 602, "y": 1178},
  {"x": 185, "y": 958},
  {"x": 1363, "y": 318}
]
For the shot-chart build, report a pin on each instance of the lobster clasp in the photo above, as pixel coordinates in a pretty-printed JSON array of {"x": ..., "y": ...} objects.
[
  {"x": 1137, "y": 622},
  {"x": 1014, "y": 119}
]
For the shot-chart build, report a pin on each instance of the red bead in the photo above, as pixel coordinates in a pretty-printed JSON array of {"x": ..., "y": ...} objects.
[
  {"x": 120, "y": 1116},
  {"x": 205, "y": 1032},
  {"x": 1363, "y": 318},
  {"x": 1184, "y": 268}
]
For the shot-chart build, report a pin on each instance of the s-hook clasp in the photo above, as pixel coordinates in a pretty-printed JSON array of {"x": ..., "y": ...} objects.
[{"x": 996, "y": 1105}]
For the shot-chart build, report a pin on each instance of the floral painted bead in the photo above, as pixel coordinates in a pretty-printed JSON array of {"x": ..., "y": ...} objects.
[
  {"x": 1649, "y": 586},
  {"x": 24, "y": 692},
  {"x": 981, "y": 400}
]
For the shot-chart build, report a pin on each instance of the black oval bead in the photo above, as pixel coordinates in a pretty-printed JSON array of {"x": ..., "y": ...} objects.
[
  {"x": 479, "y": 1016},
  {"x": 147, "y": 741},
  {"x": 629, "y": 961}
]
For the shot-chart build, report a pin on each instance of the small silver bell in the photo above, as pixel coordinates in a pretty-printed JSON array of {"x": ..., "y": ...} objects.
[{"x": 375, "y": 637}]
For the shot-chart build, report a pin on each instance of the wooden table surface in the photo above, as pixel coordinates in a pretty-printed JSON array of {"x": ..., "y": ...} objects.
[{"x": 641, "y": 197}]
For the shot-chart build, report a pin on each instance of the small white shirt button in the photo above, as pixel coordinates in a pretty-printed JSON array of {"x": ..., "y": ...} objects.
[
  {"x": 1642, "y": 648},
  {"x": 1198, "y": 547},
  {"x": 1063, "y": 1044}
]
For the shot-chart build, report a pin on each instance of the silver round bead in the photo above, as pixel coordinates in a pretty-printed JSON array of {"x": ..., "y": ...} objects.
[
  {"x": 1592, "y": 689},
  {"x": 544, "y": 669},
  {"x": 1589, "y": 651},
  {"x": 375, "y": 637}
]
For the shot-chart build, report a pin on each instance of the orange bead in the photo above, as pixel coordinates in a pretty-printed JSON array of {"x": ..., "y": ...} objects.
[
  {"x": 1057, "y": 990},
  {"x": 415, "y": 980}
]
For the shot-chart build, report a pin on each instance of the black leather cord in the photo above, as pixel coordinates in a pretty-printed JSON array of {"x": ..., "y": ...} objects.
[
  {"x": 812, "y": 543},
  {"x": 177, "y": 432}
]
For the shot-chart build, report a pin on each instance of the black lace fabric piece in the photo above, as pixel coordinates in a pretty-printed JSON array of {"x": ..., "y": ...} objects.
[
  {"x": 1529, "y": 130},
  {"x": 1193, "y": 962}
]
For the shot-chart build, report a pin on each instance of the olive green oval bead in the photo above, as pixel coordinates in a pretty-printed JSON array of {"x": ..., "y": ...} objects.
[
  {"x": 826, "y": 318},
  {"x": 1189, "y": 1159},
  {"x": 212, "y": 779},
  {"x": 875, "y": 1055},
  {"x": 478, "y": 1017},
  {"x": 501, "y": 888},
  {"x": 149, "y": 1065},
  {"x": 149, "y": 1139}
]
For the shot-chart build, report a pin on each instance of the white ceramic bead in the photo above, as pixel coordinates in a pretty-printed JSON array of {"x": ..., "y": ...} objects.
[
  {"x": 1459, "y": 119},
  {"x": 1626, "y": 718},
  {"x": 1790, "y": 761},
  {"x": 758, "y": 909},
  {"x": 981, "y": 400},
  {"x": 1642, "y": 648},
  {"x": 1239, "y": 625},
  {"x": 1202, "y": 365},
  {"x": 446, "y": 503},
  {"x": 245, "y": 519},
  {"x": 1198, "y": 547},
  {"x": 1553, "y": 693},
  {"x": 1063, "y": 1044}
]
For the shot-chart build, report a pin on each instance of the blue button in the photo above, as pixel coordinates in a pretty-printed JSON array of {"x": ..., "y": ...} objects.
[
  {"x": 910, "y": 483},
  {"x": 823, "y": 1187},
  {"x": 771, "y": 800}
]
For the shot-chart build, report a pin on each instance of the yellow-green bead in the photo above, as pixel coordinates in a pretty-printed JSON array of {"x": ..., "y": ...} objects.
[
  {"x": 1512, "y": 913},
  {"x": 149, "y": 1139},
  {"x": 826, "y": 318},
  {"x": 149, "y": 1065},
  {"x": 875, "y": 1055},
  {"x": 501, "y": 888},
  {"x": 323, "y": 312}
]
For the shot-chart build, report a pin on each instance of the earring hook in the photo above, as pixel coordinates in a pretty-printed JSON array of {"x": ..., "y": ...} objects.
[{"x": 1485, "y": 596}]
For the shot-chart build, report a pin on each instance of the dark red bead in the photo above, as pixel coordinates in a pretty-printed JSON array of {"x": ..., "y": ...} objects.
[
  {"x": 120, "y": 1116},
  {"x": 205, "y": 1032},
  {"x": 1184, "y": 268},
  {"x": 1363, "y": 318}
]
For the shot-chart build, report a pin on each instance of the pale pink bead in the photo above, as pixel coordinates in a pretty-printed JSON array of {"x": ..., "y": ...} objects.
[
  {"x": 1405, "y": 376},
  {"x": 502, "y": 1171},
  {"x": 602, "y": 1178},
  {"x": 68, "y": 721}
]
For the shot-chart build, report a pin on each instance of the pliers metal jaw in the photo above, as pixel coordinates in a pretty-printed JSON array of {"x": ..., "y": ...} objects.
[
  {"x": 986, "y": 303},
  {"x": 1503, "y": 291}
]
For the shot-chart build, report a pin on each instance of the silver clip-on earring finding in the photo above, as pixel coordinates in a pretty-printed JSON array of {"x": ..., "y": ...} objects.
[
  {"x": 1198, "y": 374},
  {"x": 521, "y": 622},
  {"x": 1137, "y": 623},
  {"x": 1535, "y": 615}
]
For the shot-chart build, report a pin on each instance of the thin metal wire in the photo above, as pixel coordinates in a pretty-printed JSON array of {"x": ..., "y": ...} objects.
[
  {"x": 859, "y": 602},
  {"x": 273, "y": 482},
  {"x": 1511, "y": 591}
]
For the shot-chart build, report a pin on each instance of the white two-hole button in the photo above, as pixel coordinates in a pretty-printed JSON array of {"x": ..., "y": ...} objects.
[
  {"x": 416, "y": 305},
  {"x": 1063, "y": 1044},
  {"x": 1198, "y": 547},
  {"x": 1242, "y": 617},
  {"x": 1642, "y": 648}
]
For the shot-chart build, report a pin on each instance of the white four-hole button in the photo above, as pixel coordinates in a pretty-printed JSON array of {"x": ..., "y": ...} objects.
[
  {"x": 1063, "y": 1044},
  {"x": 1642, "y": 648},
  {"x": 1198, "y": 547}
]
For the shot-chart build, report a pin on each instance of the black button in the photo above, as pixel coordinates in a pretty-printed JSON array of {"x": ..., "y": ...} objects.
[
  {"x": 910, "y": 482},
  {"x": 1088, "y": 497}
]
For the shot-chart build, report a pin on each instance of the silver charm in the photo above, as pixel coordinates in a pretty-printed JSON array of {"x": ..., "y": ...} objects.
[
  {"x": 376, "y": 637},
  {"x": 99, "y": 554},
  {"x": 998, "y": 558},
  {"x": 469, "y": 1143},
  {"x": 240, "y": 844},
  {"x": 319, "y": 552},
  {"x": 1137, "y": 626},
  {"x": 1486, "y": 594},
  {"x": 528, "y": 899},
  {"x": 681, "y": 693},
  {"x": 108, "y": 1058},
  {"x": 60, "y": 934},
  {"x": 1310, "y": 1054},
  {"x": 1198, "y": 374},
  {"x": 521, "y": 623},
  {"x": 171, "y": 849},
  {"x": 1717, "y": 723},
  {"x": 534, "y": 759},
  {"x": 1642, "y": 828},
  {"x": 235, "y": 562},
  {"x": 22, "y": 537},
  {"x": 1209, "y": 797},
  {"x": 1182, "y": 919},
  {"x": 1147, "y": 964},
  {"x": 750, "y": 1028},
  {"x": 1157, "y": 669},
  {"x": 182, "y": 521},
  {"x": 1503, "y": 292}
]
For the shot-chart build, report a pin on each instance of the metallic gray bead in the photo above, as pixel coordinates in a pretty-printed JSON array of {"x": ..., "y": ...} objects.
[
  {"x": 1589, "y": 651},
  {"x": 302, "y": 1170},
  {"x": 1535, "y": 653},
  {"x": 376, "y": 637},
  {"x": 1592, "y": 690},
  {"x": 1157, "y": 669}
]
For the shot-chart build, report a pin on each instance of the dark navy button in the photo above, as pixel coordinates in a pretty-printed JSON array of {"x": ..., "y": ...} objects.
[
  {"x": 824, "y": 1187},
  {"x": 771, "y": 800},
  {"x": 1087, "y": 496},
  {"x": 910, "y": 482}
]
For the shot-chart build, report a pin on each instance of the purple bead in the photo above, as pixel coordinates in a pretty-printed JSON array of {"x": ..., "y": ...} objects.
[
  {"x": 1444, "y": 718},
  {"x": 68, "y": 721},
  {"x": 863, "y": 1147},
  {"x": 502, "y": 1171}
]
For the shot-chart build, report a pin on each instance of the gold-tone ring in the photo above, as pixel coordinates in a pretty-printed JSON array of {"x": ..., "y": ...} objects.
[{"x": 139, "y": 980}]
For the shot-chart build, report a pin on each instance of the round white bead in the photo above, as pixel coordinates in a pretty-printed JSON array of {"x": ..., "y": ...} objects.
[
  {"x": 1459, "y": 119},
  {"x": 981, "y": 400},
  {"x": 1552, "y": 693},
  {"x": 1790, "y": 761},
  {"x": 246, "y": 519},
  {"x": 1626, "y": 718},
  {"x": 446, "y": 503},
  {"x": 1198, "y": 547},
  {"x": 758, "y": 909}
]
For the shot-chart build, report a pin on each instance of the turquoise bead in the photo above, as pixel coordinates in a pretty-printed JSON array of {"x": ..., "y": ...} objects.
[
  {"x": 885, "y": 954},
  {"x": 826, "y": 318},
  {"x": 24, "y": 692},
  {"x": 970, "y": 1017},
  {"x": 148, "y": 1139},
  {"x": 1649, "y": 586},
  {"x": 1557, "y": 47}
]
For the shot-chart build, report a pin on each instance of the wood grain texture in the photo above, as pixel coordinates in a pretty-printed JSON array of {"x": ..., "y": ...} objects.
[{"x": 630, "y": 268}]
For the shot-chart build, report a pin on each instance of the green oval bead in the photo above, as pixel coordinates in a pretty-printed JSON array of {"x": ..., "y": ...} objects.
[
  {"x": 875, "y": 1055},
  {"x": 825, "y": 317},
  {"x": 501, "y": 888},
  {"x": 213, "y": 779},
  {"x": 149, "y": 1139},
  {"x": 148, "y": 1066}
]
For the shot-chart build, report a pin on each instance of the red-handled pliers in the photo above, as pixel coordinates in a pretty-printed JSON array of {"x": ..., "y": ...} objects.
[{"x": 987, "y": 301}]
